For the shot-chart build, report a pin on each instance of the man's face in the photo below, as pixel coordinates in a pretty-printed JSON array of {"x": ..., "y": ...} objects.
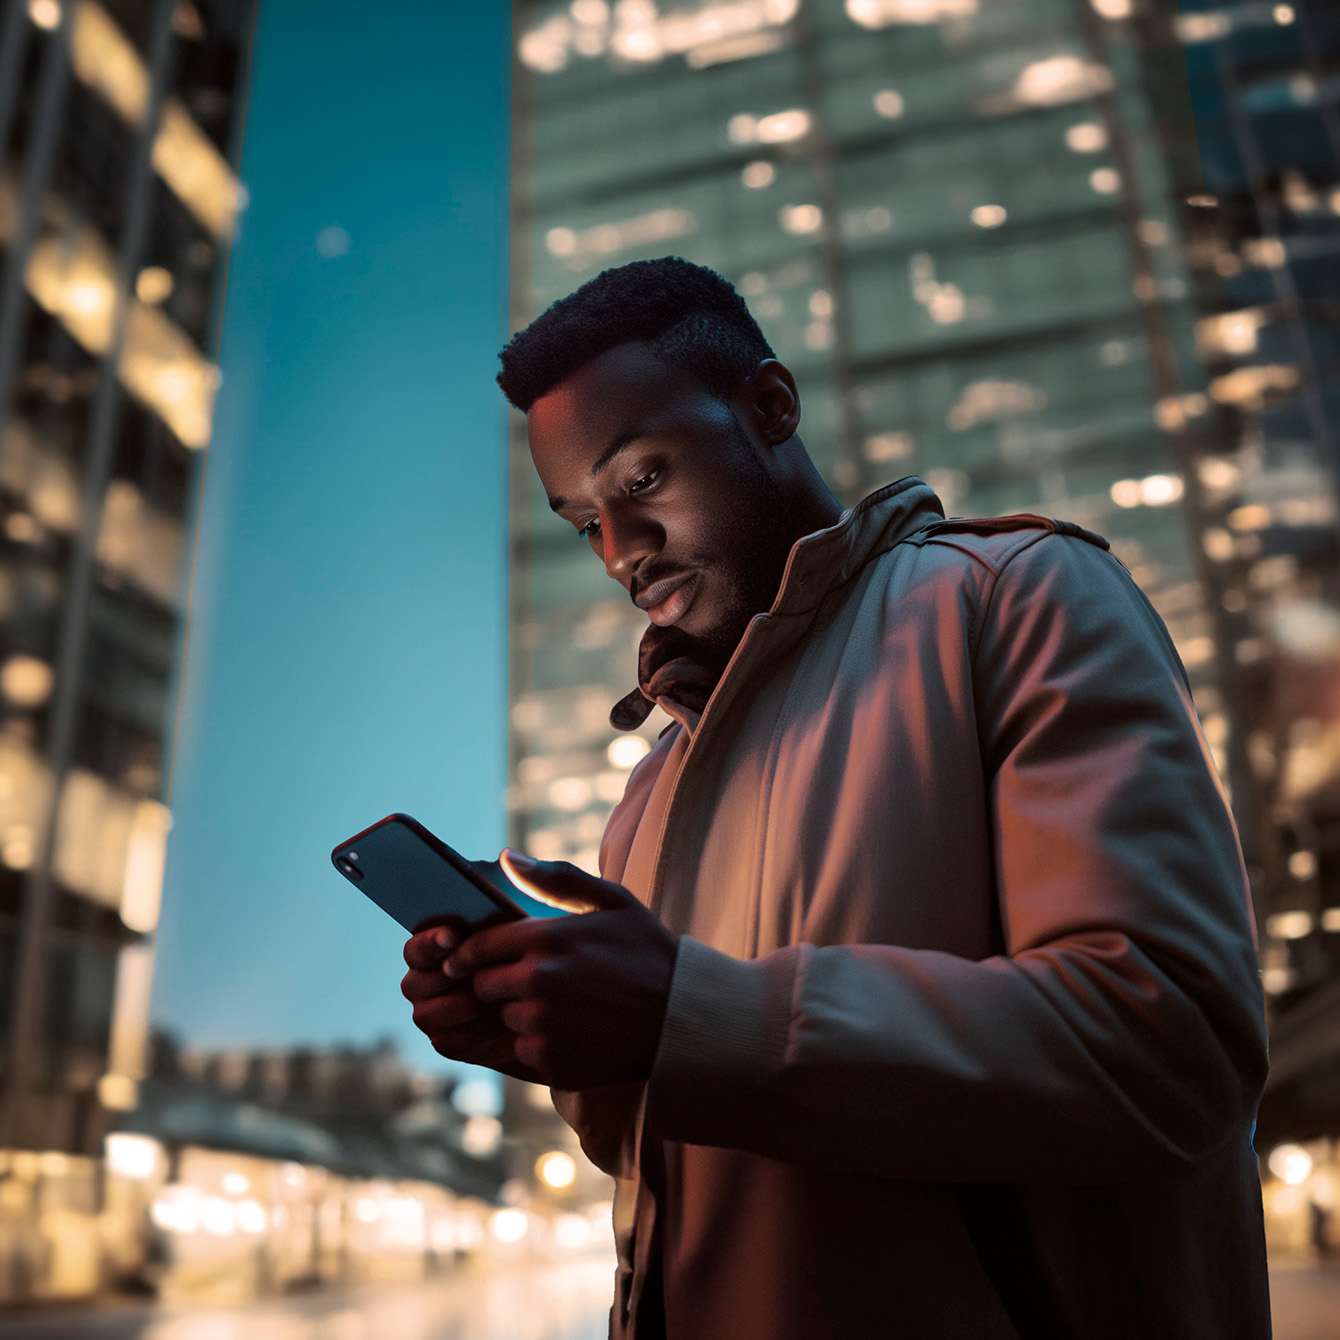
[{"x": 672, "y": 493}]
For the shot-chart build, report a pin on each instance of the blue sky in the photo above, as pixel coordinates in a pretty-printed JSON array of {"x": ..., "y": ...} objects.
[{"x": 346, "y": 654}]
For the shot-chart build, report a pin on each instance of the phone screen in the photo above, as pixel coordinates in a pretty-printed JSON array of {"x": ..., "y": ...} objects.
[{"x": 414, "y": 876}]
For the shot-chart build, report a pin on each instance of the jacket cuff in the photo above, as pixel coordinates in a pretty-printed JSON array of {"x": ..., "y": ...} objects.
[{"x": 724, "y": 1037}]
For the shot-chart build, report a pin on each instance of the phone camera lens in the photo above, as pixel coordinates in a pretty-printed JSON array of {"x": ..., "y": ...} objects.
[{"x": 346, "y": 867}]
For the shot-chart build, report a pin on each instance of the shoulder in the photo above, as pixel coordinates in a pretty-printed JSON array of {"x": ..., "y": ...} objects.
[
  {"x": 994, "y": 541},
  {"x": 978, "y": 555},
  {"x": 1022, "y": 566}
]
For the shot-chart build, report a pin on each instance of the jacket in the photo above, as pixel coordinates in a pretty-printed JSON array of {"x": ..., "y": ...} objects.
[{"x": 965, "y": 1034}]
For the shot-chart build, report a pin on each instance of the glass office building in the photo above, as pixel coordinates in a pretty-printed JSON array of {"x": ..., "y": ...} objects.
[
  {"x": 117, "y": 203},
  {"x": 959, "y": 222},
  {"x": 1268, "y": 226},
  {"x": 998, "y": 252}
]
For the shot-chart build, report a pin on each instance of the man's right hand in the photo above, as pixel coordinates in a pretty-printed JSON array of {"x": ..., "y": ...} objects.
[{"x": 447, "y": 1013}]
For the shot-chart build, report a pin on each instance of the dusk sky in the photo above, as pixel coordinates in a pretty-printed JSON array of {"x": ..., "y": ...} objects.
[{"x": 346, "y": 654}]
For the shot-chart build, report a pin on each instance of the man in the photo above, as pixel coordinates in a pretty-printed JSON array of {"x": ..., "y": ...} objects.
[{"x": 919, "y": 997}]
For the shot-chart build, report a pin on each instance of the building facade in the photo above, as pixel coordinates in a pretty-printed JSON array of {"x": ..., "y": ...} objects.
[
  {"x": 1267, "y": 228},
  {"x": 1061, "y": 256},
  {"x": 117, "y": 202}
]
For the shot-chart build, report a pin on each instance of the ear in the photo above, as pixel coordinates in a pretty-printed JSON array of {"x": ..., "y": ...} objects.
[{"x": 771, "y": 402}]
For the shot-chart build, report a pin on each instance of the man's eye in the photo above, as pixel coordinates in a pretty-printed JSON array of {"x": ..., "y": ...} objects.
[
  {"x": 591, "y": 529},
  {"x": 643, "y": 482}
]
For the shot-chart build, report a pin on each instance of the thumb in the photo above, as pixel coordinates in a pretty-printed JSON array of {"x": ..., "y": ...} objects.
[{"x": 561, "y": 884}]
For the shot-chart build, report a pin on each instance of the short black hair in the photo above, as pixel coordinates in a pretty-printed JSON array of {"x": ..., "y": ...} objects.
[{"x": 690, "y": 315}]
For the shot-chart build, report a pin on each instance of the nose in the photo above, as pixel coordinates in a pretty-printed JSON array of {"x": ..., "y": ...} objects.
[{"x": 629, "y": 539}]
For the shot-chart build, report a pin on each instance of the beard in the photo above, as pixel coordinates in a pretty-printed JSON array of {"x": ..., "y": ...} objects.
[{"x": 744, "y": 558}]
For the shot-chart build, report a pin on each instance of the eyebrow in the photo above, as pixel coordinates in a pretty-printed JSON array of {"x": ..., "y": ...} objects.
[{"x": 620, "y": 444}]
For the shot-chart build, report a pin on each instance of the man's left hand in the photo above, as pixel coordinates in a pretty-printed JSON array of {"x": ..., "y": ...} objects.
[{"x": 585, "y": 994}]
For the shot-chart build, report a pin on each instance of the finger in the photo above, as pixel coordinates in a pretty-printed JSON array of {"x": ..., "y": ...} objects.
[
  {"x": 561, "y": 884},
  {"x": 523, "y": 1016},
  {"x": 429, "y": 947},
  {"x": 512, "y": 981},
  {"x": 498, "y": 944},
  {"x": 446, "y": 1012},
  {"x": 466, "y": 1044},
  {"x": 418, "y": 984}
]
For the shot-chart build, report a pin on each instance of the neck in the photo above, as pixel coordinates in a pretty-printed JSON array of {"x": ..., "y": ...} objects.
[{"x": 810, "y": 503}]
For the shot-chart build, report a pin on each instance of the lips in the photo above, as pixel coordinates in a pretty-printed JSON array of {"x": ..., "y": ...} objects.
[{"x": 668, "y": 600}]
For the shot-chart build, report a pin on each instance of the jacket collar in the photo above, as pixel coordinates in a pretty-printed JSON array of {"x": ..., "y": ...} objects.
[
  {"x": 818, "y": 564},
  {"x": 827, "y": 559}
]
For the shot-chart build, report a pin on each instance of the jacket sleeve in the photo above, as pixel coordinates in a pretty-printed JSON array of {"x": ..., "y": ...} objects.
[{"x": 1120, "y": 1035}]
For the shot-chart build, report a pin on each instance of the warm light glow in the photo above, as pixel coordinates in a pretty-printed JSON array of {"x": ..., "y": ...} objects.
[
  {"x": 636, "y": 33},
  {"x": 1252, "y": 516},
  {"x": 118, "y": 1093},
  {"x": 136, "y": 1157},
  {"x": 197, "y": 172},
  {"x": 16, "y": 848},
  {"x": 992, "y": 399},
  {"x": 1112, "y": 9},
  {"x": 606, "y": 239},
  {"x": 177, "y": 1209},
  {"x": 556, "y": 1169},
  {"x": 1330, "y": 920},
  {"x": 26, "y": 681},
  {"x": 1248, "y": 388},
  {"x": 1204, "y": 27},
  {"x": 742, "y": 128},
  {"x": 153, "y": 285},
  {"x": 146, "y": 851},
  {"x": 1303, "y": 864},
  {"x": 105, "y": 60},
  {"x": 129, "y": 1042},
  {"x": 509, "y": 1226},
  {"x": 1284, "y": 15},
  {"x": 1152, "y": 491},
  {"x": 885, "y": 13},
  {"x": 73, "y": 276},
  {"x": 1295, "y": 925},
  {"x": 758, "y": 174},
  {"x": 989, "y": 216},
  {"x": 161, "y": 366},
  {"x": 880, "y": 447},
  {"x": 1292, "y": 1164},
  {"x": 800, "y": 220},
  {"x": 44, "y": 13},
  {"x": 1231, "y": 333},
  {"x": 889, "y": 104},
  {"x": 235, "y": 1183},
  {"x": 572, "y": 1232},
  {"x": 1105, "y": 180},
  {"x": 1060, "y": 79},
  {"x": 627, "y": 751},
  {"x": 251, "y": 1216},
  {"x": 570, "y": 794},
  {"x": 1086, "y": 137},
  {"x": 481, "y": 1136},
  {"x": 779, "y": 128},
  {"x": 217, "y": 1217}
]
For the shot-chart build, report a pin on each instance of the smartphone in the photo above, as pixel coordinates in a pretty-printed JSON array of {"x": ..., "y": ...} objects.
[{"x": 412, "y": 874}]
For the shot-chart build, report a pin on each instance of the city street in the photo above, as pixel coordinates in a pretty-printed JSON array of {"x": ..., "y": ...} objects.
[
  {"x": 532, "y": 1301},
  {"x": 1305, "y": 1301},
  {"x": 524, "y": 1301}
]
